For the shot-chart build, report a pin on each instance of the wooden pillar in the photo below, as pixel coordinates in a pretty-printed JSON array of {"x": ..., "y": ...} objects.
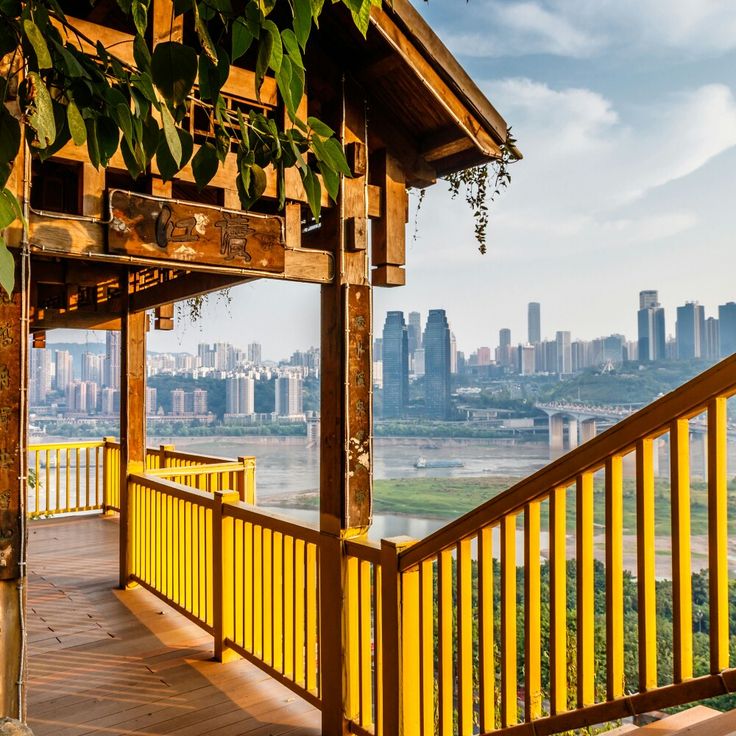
[
  {"x": 132, "y": 419},
  {"x": 346, "y": 408},
  {"x": 13, "y": 386}
]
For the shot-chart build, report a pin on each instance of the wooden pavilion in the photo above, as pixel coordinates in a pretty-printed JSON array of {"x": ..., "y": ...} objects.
[{"x": 101, "y": 251}]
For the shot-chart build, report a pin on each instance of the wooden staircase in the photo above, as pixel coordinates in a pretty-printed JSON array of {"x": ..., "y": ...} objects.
[{"x": 697, "y": 721}]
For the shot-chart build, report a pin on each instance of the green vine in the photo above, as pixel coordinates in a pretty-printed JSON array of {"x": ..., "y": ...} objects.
[{"x": 479, "y": 181}]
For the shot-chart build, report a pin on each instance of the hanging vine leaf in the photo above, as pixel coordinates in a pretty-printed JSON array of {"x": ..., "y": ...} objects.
[
  {"x": 76, "y": 124},
  {"x": 174, "y": 69},
  {"x": 41, "y": 116},
  {"x": 7, "y": 268},
  {"x": 38, "y": 42}
]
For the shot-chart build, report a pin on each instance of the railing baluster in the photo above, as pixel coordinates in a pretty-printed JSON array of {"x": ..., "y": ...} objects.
[
  {"x": 486, "y": 660},
  {"x": 289, "y": 606},
  {"x": 585, "y": 611},
  {"x": 311, "y": 618},
  {"x": 38, "y": 484},
  {"x": 249, "y": 606},
  {"x": 426, "y": 583},
  {"x": 352, "y": 645},
  {"x": 299, "y": 611},
  {"x": 532, "y": 619},
  {"x": 509, "y": 710},
  {"x": 614, "y": 578},
  {"x": 267, "y": 572},
  {"x": 49, "y": 506},
  {"x": 278, "y": 601},
  {"x": 378, "y": 666},
  {"x": 464, "y": 639},
  {"x": 257, "y": 580},
  {"x": 366, "y": 684},
  {"x": 446, "y": 681},
  {"x": 558, "y": 599},
  {"x": 718, "y": 534},
  {"x": 682, "y": 607},
  {"x": 646, "y": 582}
]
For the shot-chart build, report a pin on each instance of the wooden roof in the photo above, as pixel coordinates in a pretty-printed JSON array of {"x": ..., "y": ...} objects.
[{"x": 423, "y": 100}]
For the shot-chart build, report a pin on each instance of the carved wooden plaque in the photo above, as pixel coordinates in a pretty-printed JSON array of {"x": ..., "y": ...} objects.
[{"x": 195, "y": 233}]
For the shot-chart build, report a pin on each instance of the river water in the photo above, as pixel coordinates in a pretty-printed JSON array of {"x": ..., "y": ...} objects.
[{"x": 285, "y": 466}]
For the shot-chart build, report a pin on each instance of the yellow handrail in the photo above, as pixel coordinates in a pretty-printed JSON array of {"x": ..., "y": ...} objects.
[{"x": 447, "y": 595}]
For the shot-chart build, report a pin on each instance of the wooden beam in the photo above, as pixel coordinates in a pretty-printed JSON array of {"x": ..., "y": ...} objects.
[
  {"x": 81, "y": 319},
  {"x": 388, "y": 240},
  {"x": 164, "y": 317},
  {"x": 13, "y": 410},
  {"x": 444, "y": 143},
  {"x": 183, "y": 287},
  {"x": 346, "y": 417},
  {"x": 132, "y": 421}
]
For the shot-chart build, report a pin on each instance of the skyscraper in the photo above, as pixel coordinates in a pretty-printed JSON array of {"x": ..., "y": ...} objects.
[
  {"x": 711, "y": 339},
  {"x": 690, "y": 331},
  {"x": 437, "y": 365},
  {"x": 64, "y": 369},
  {"x": 414, "y": 331},
  {"x": 727, "y": 329},
  {"x": 240, "y": 395},
  {"x": 564, "y": 352},
  {"x": 534, "y": 323},
  {"x": 289, "y": 396},
  {"x": 254, "y": 353},
  {"x": 395, "y": 347},
  {"x": 504, "y": 347},
  {"x": 651, "y": 328},
  {"x": 111, "y": 378}
]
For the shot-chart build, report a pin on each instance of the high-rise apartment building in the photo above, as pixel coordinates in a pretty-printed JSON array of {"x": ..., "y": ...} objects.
[
  {"x": 526, "y": 360},
  {"x": 453, "y": 353},
  {"x": 414, "y": 332},
  {"x": 40, "y": 377},
  {"x": 504, "y": 353},
  {"x": 395, "y": 349},
  {"x": 564, "y": 352},
  {"x": 484, "y": 355},
  {"x": 534, "y": 323},
  {"x": 254, "y": 353},
  {"x": 690, "y": 331},
  {"x": 240, "y": 395},
  {"x": 651, "y": 328},
  {"x": 111, "y": 377},
  {"x": 711, "y": 339},
  {"x": 151, "y": 400},
  {"x": 436, "y": 343},
  {"x": 110, "y": 401},
  {"x": 727, "y": 329},
  {"x": 93, "y": 366},
  {"x": 199, "y": 401},
  {"x": 178, "y": 402},
  {"x": 289, "y": 396},
  {"x": 64, "y": 369}
]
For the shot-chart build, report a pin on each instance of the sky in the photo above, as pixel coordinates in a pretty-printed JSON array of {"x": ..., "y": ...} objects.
[{"x": 625, "y": 112}]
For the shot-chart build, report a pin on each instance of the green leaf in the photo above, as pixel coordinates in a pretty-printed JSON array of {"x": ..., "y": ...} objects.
[
  {"x": 131, "y": 162},
  {"x": 204, "y": 35},
  {"x": 42, "y": 111},
  {"x": 331, "y": 152},
  {"x": 93, "y": 149},
  {"x": 166, "y": 165},
  {"x": 277, "y": 48},
  {"x": 361, "y": 12},
  {"x": 36, "y": 39},
  {"x": 317, "y": 9},
  {"x": 141, "y": 54},
  {"x": 204, "y": 165},
  {"x": 211, "y": 77},
  {"x": 150, "y": 136},
  {"x": 291, "y": 46},
  {"x": 171, "y": 135},
  {"x": 313, "y": 189},
  {"x": 283, "y": 81},
  {"x": 264, "y": 54},
  {"x": 108, "y": 138},
  {"x": 258, "y": 181},
  {"x": 9, "y": 209},
  {"x": 71, "y": 63},
  {"x": 7, "y": 268},
  {"x": 302, "y": 21},
  {"x": 139, "y": 11},
  {"x": 242, "y": 39},
  {"x": 9, "y": 136},
  {"x": 174, "y": 69},
  {"x": 76, "y": 124},
  {"x": 331, "y": 181},
  {"x": 320, "y": 128}
]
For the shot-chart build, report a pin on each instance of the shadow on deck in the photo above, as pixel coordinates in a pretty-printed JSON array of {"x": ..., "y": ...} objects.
[{"x": 103, "y": 661}]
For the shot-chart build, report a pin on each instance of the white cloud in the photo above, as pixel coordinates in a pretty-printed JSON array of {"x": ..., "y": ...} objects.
[{"x": 581, "y": 29}]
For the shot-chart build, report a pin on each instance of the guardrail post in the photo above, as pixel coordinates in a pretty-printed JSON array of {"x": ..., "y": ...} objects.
[
  {"x": 247, "y": 480},
  {"x": 222, "y": 575},
  {"x": 400, "y": 712},
  {"x": 107, "y": 472},
  {"x": 163, "y": 455}
]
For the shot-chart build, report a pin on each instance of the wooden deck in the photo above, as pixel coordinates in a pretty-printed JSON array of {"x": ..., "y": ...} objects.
[{"x": 104, "y": 661}]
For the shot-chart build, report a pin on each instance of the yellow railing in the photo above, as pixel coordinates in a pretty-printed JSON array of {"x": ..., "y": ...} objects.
[
  {"x": 224, "y": 476},
  {"x": 76, "y": 476},
  {"x": 460, "y": 670},
  {"x": 248, "y": 578},
  {"x": 65, "y": 477}
]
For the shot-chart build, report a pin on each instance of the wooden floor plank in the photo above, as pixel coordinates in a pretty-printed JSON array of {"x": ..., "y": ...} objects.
[{"x": 105, "y": 661}]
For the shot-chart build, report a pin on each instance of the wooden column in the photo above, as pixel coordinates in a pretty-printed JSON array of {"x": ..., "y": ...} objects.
[
  {"x": 346, "y": 408},
  {"x": 13, "y": 384},
  {"x": 132, "y": 419}
]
